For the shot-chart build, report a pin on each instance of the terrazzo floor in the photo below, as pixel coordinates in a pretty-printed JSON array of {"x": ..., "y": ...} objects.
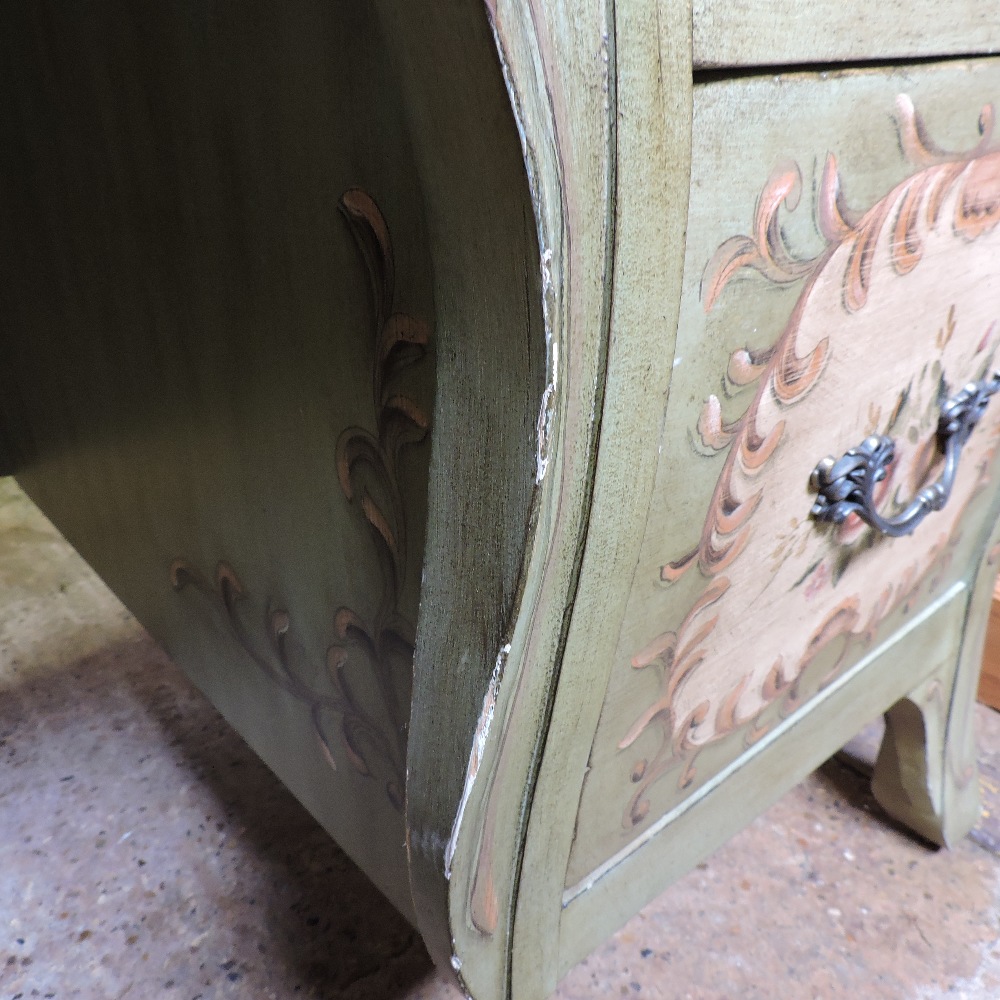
[{"x": 145, "y": 852}]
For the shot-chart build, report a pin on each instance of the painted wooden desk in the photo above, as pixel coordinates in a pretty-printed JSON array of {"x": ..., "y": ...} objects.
[{"x": 512, "y": 415}]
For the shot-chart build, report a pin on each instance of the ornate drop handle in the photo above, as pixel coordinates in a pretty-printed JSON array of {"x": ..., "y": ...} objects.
[{"x": 847, "y": 485}]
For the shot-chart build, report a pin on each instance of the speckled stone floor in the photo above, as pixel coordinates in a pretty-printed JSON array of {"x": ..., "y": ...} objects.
[{"x": 145, "y": 852}]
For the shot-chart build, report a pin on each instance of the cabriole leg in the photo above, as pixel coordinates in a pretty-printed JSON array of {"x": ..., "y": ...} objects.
[{"x": 925, "y": 774}]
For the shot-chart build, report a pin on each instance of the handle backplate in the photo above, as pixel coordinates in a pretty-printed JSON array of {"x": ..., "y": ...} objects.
[{"x": 847, "y": 485}]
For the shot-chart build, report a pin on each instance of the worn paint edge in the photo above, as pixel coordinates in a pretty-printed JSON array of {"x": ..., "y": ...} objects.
[
  {"x": 544, "y": 427},
  {"x": 479, "y": 741}
]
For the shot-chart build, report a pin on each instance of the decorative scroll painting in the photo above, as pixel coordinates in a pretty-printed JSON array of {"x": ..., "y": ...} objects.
[
  {"x": 902, "y": 304},
  {"x": 358, "y": 698}
]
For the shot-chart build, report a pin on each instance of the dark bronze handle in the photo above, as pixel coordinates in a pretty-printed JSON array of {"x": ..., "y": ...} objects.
[{"x": 847, "y": 485}]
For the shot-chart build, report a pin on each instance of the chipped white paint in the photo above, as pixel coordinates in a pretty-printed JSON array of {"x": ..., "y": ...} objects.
[
  {"x": 476, "y": 756},
  {"x": 594, "y": 395},
  {"x": 546, "y": 411}
]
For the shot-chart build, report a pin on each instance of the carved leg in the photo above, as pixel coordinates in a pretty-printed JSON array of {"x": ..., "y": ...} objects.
[{"x": 926, "y": 775}]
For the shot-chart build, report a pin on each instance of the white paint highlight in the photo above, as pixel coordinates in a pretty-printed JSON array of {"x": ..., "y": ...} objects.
[{"x": 478, "y": 750}]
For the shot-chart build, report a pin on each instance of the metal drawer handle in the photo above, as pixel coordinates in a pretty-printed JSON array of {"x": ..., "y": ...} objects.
[{"x": 847, "y": 485}]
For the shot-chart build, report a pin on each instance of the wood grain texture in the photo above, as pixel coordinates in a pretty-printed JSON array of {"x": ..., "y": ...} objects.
[
  {"x": 187, "y": 438},
  {"x": 989, "y": 680},
  {"x": 360, "y": 705},
  {"x": 787, "y": 32},
  {"x": 207, "y": 381},
  {"x": 806, "y": 351},
  {"x": 187, "y": 330}
]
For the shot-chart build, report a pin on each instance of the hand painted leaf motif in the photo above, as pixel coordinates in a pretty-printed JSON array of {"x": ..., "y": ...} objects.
[
  {"x": 374, "y": 743},
  {"x": 784, "y": 375}
]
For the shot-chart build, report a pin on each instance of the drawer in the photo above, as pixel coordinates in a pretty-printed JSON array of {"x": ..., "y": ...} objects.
[
  {"x": 839, "y": 283},
  {"x": 784, "y": 32}
]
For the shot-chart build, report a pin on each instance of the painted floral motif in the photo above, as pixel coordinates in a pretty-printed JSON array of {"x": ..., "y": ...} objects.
[
  {"x": 860, "y": 318},
  {"x": 372, "y": 737}
]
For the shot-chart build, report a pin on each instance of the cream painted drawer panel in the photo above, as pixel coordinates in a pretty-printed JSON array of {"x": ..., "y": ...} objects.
[
  {"x": 840, "y": 281},
  {"x": 783, "y": 32}
]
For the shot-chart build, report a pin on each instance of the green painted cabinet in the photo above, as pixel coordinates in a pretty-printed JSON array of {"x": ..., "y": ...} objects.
[{"x": 448, "y": 389}]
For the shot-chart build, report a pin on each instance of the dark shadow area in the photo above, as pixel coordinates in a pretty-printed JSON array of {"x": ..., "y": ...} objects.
[
  {"x": 849, "y": 773},
  {"x": 846, "y": 779}
]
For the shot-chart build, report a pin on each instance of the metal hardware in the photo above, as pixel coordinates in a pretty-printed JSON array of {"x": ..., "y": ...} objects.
[{"x": 847, "y": 485}]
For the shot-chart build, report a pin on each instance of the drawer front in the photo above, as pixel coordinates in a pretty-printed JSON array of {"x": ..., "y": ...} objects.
[
  {"x": 788, "y": 32},
  {"x": 842, "y": 279}
]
